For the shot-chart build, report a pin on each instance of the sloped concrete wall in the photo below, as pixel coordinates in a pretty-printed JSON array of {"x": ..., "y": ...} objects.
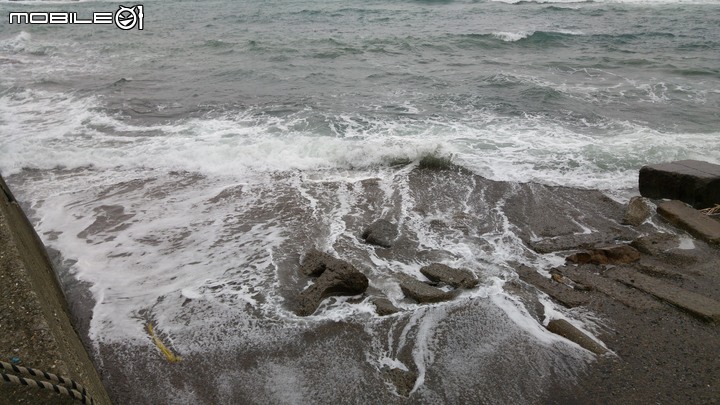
[{"x": 34, "y": 318}]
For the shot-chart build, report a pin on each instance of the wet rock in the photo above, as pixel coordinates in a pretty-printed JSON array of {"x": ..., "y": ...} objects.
[
  {"x": 565, "y": 295},
  {"x": 621, "y": 254},
  {"x": 660, "y": 271},
  {"x": 432, "y": 162},
  {"x": 458, "y": 278},
  {"x": 557, "y": 276},
  {"x": 655, "y": 244},
  {"x": 637, "y": 212},
  {"x": 582, "y": 241},
  {"x": 528, "y": 296},
  {"x": 696, "y": 223},
  {"x": 694, "y": 182},
  {"x": 626, "y": 295},
  {"x": 381, "y": 233},
  {"x": 337, "y": 277},
  {"x": 421, "y": 292},
  {"x": 568, "y": 331},
  {"x": 384, "y": 307},
  {"x": 403, "y": 380},
  {"x": 696, "y": 304}
]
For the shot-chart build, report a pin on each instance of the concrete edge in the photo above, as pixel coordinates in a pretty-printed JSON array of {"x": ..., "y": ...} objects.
[{"x": 53, "y": 305}]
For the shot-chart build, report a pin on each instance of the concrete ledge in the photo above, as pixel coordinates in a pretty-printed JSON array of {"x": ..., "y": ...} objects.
[
  {"x": 696, "y": 223},
  {"x": 34, "y": 317},
  {"x": 696, "y": 304},
  {"x": 694, "y": 182}
]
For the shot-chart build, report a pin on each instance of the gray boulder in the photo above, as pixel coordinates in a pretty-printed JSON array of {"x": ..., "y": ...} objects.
[
  {"x": 381, "y": 233},
  {"x": 458, "y": 278},
  {"x": 637, "y": 212},
  {"x": 421, "y": 292},
  {"x": 384, "y": 307},
  {"x": 336, "y": 277}
]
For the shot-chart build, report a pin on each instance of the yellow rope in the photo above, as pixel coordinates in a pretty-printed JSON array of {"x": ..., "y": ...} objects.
[
  {"x": 169, "y": 355},
  {"x": 712, "y": 210}
]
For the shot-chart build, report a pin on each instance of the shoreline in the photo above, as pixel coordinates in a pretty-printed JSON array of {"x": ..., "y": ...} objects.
[{"x": 661, "y": 353}]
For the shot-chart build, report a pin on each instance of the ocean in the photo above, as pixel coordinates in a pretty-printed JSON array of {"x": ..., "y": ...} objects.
[{"x": 180, "y": 172}]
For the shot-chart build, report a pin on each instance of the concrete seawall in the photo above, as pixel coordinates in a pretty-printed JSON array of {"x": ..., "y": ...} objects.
[{"x": 35, "y": 323}]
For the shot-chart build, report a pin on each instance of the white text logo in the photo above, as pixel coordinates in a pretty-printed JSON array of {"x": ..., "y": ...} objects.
[{"x": 125, "y": 18}]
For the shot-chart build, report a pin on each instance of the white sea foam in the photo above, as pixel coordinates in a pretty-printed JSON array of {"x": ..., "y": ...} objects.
[
  {"x": 16, "y": 43},
  {"x": 581, "y": 319},
  {"x": 512, "y": 36},
  {"x": 71, "y": 131},
  {"x": 686, "y": 243},
  {"x": 516, "y": 311}
]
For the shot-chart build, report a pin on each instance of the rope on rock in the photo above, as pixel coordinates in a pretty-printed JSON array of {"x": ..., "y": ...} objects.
[
  {"x": 66, "y": 386},
  {"x": 712, "y": 210}
]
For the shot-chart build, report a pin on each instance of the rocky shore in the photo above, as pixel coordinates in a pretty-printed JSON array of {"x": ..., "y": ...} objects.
[
  {"x": 658, "y": 290},
  {"x": 645, "y": 271}
]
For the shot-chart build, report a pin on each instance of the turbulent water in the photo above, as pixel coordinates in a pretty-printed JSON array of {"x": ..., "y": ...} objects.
[{"x": 181, "y": 171}]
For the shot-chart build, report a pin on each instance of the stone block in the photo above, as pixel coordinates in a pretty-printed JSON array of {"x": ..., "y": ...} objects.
[{"x": 694, "y": 182}]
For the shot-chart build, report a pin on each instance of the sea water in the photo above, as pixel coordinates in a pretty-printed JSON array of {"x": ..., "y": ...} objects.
[{"x": 182, "y": 170}]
